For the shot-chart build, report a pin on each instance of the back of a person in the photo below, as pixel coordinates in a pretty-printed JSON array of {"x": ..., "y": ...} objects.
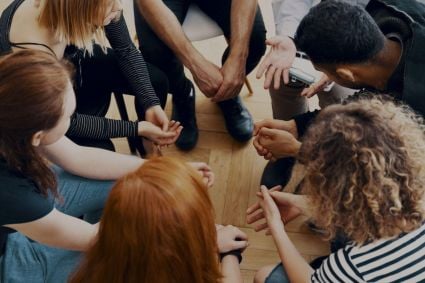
[{"x": 398, "y": 259}]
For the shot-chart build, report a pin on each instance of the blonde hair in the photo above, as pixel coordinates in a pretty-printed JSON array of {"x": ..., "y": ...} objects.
[
  {"x": 75, "y": 21},
  {"x": 366, "y": 169}
]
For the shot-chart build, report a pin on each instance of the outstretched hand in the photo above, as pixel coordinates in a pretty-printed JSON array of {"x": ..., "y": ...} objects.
[{"x": 277, "y": 62}]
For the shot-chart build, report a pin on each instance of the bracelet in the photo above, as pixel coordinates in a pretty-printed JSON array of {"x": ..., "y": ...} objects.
[{"x": 237, "y": 253}]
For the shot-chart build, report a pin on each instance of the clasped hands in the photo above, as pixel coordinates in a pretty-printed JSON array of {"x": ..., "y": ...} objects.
[
  {"x": 274, "y": 139},
  {"x": 217, "y": 83}
]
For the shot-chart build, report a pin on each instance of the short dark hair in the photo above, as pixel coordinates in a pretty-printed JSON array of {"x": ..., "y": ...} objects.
[{"x": 337, "y": 32}]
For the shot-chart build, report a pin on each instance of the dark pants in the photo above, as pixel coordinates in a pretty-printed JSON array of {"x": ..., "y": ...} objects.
[
  {"x": 158, "y": 54},
  {"x": 97, "y": 77}
]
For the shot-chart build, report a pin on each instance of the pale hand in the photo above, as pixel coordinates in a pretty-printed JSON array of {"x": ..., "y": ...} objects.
[
  {"x": 289, "y": 126},
  {"x": 159, "y": 136},
  {"x": 230, "y": 238},
  {"x": 157, "y": 116},
  {"x": 278, "y": 61},
  {"x": 205, "y": 171},
  {"x": 316, "y": 87},
  {"x": 285, "y": 204}
]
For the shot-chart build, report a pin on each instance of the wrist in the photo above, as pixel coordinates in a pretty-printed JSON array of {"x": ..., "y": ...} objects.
[
  {"x": 237, "y": 254},
  {"x": 296, "y": 148}
]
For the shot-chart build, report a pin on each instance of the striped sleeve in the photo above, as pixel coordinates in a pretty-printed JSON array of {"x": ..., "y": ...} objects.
[
  {"x": 131, "y": 63},
  {"x": 86, "y": 126},
  {"x": 337, "y": 268}
]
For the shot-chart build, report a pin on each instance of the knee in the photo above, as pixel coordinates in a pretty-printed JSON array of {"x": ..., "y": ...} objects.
[{"x": 262, "y": 274}]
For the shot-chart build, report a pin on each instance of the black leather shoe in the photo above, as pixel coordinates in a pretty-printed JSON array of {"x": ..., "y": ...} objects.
[
  {"x": 184, "y": 112},
  {"x": 238, "y": 120}
]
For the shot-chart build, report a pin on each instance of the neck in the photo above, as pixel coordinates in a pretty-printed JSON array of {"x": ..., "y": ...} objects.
[{"x": 385, "y": 63}]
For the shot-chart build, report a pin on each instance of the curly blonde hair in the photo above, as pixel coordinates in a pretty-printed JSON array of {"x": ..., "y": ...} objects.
[{"x": 365, "y": 164}]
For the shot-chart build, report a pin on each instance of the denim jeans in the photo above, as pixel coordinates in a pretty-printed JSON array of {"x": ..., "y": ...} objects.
[{"x": 27, "y": 261}]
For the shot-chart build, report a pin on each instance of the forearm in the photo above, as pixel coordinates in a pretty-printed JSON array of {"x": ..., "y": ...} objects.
[
  {"x": 295, "y": 265},
  {"x": 86, "y": 126},
  {"x": 230, "y": 270},
  {"x": 104, "y": 164},
  {"x": 131, "y": 63},
  {"x": 242, "y": 20},
  {"x": 167, "y": 27},
  {"x": 88, "y": 162},
  {"x": 59, "y": 230}
]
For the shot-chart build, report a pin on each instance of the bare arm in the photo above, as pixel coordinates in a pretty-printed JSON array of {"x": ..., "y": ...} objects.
[
  {"x": 231, "y": 270},
  {"x": 165, "y": 24},
  {"x": 59, "y": 230},
  {"x": 167, "y": 27},
  {"x": 241, "y": 21},
  {"x": 92, "y": 163},
  {"x": 295, "y": 265}
]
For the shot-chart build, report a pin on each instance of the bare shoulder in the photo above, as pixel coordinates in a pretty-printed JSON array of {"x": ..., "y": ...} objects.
[{"x": 4, "y": 4}]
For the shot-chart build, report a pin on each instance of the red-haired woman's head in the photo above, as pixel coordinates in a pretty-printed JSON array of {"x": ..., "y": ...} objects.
[
  {"x": 157, "y": 226},
  {"x": 36, "y": 102}
]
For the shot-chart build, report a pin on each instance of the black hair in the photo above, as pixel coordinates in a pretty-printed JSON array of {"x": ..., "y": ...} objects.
[{"x": 337, "y": 32}]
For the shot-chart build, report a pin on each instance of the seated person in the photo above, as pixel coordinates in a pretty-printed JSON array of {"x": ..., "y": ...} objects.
[
  {"x": 67, "y": 29},
  {"x": 365, "y": 177},
  {"x": 378, "y": 48},
  {"x": 158, "y": 226},
  {"x": 164, "y": 44},
  {"x": 47, "y": 182}
]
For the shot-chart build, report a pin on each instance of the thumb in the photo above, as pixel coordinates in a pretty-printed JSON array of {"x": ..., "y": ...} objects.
[
  {"x": 282, "y": 197},
  {"x": 273, "y": 40},
  {"x": 268, "y": 132},
  {"x": 239, "y": 245}
]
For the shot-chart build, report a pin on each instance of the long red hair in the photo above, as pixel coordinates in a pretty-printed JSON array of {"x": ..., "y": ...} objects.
[{"x": 157, "y": 226}]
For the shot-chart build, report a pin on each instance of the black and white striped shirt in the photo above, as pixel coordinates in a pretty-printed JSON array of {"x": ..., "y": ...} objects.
[
  {"x": 134, "y": 68},
  {"x": 400, "y": 259}
]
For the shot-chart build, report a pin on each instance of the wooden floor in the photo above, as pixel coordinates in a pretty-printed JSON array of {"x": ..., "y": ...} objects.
[{"x": 237, "y": 167}]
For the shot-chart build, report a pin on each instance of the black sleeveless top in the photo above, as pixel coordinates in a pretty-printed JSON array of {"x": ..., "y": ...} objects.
[{"x": 5, "y": 23}]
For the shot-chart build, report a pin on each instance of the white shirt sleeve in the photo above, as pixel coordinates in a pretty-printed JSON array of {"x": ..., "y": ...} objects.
[{"x": 288, "y": 15}]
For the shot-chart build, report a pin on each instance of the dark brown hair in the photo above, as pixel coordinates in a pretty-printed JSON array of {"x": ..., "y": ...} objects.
[
  {"x": 32, "y": 87},
  {"x": 365, "y": 169},
  {"x": 157, "y": 226}
]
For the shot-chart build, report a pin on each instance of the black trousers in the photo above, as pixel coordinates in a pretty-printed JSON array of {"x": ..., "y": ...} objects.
[
  {"x": 157, "y": 53},
  {"x": 97, "y": 77}
]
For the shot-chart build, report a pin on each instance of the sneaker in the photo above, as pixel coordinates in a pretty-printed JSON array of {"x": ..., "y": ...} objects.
[
  {"x": 184, "y": 112},
  {"x": 238, "y": 120}
]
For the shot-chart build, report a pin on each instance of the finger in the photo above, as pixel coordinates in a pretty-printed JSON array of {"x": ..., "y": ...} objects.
[
  {"x": 273, "y": 40},
  {"x": 277, "y": 76},
  {"x": 241, "y": 235},
  {"x": 276, "y": 189},
  {"x": 269, "y": 76},
  {"x": 261, "y": 227},
  {"x": 268, "y": 132},
  {"x": 253, "y": 208},
  {"x": 268, "y": 232},
  {"x": 255, "y": 217},
  {"x": 239, "y": 245},
  {"x": 285, "y": 76},
  {"x": 165, "y": 125},
  {"x": 219, "y": 96},
  {"x": 263, "y": 66},
  {"x": 268, "y": 156},
  {"x": 257, "y": 145}
]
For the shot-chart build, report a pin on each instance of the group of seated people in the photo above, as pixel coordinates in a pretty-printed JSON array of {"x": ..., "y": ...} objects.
[{"x": 74, "y": 210}]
